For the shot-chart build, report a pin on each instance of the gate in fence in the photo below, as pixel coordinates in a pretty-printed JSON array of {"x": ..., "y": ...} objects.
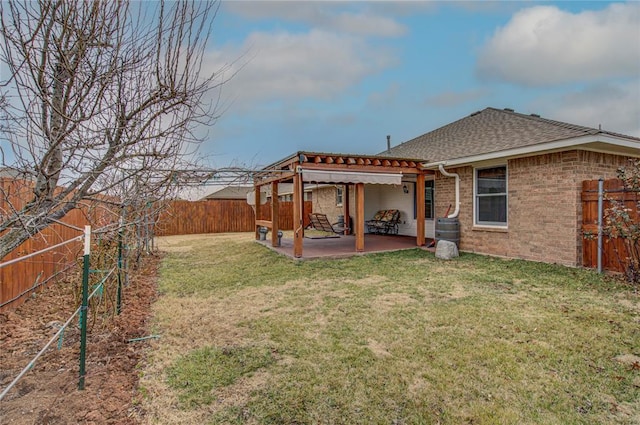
[{"x": 595, "y": 204}]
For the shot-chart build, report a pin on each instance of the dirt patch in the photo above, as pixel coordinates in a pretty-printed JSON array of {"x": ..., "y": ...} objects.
[
  {"x": 631, "y": 304},
  {"x": 387, "y": 302},
  {"x": 628, "y": 360},
  {"x": 377, "y": 348},
  {"x": 48, "y": 394}
]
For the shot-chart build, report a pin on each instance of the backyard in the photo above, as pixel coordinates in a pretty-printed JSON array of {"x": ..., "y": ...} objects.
[{"x": 248, "y": 336}]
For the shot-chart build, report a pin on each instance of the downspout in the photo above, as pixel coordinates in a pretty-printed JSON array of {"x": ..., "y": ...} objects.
[{"x": 455, "y": 212}]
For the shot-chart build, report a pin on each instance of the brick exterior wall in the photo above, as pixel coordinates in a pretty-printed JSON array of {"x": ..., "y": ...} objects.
[
  {"x": 544, "y": 206},
  {"x": 324, "y": 202}
]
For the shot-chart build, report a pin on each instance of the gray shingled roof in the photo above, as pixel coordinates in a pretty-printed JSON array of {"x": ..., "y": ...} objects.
[
  {"x": 230, "y": 192},
  {"x": 12, "y": 173},
  {"x": 487, "y": 131}
]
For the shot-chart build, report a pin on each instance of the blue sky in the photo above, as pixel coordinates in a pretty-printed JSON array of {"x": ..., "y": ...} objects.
[{"x": 340, "y": 76}]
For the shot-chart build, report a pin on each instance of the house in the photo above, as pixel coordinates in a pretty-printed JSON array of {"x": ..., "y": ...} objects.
[
  {"x": 240, "y": 193},
  {"x": 15, "y": 174},
  {"x": 518, "y": 184},
  {"x": 229, "y": 193}
]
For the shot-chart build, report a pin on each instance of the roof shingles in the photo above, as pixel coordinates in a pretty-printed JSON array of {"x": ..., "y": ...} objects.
[{"x": 487, "y": 131}]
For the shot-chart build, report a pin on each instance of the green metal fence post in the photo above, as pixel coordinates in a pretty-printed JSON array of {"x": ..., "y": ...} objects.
[{"x": 85, "y": 305}]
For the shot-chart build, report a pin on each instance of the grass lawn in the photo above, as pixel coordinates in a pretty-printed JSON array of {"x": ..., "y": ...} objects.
[{"x": 250, "y": 337}]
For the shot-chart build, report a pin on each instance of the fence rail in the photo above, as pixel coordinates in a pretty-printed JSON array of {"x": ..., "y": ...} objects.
[
  {"x": 613, "y": 191},
  {"x": 82, "y": 310},
  {"x": 219, "y": 216}
]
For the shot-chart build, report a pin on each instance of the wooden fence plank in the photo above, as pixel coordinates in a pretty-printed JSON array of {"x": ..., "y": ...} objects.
[
  {"x": 219, "y": 216},
  {"x": 22, "y": 276},
  {"x": 612, "y": 248}
]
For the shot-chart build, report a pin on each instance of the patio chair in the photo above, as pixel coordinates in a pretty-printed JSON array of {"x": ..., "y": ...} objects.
[
  {"x": 384, "y": 222},
  {"x": 321, "y": 222}
]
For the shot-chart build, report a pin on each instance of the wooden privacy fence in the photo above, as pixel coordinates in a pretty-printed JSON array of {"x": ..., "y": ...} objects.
[
  {"x": 613, "y": 191},
  {"x": 20, "y": 279},
  {"x": 219, "y": 216}
]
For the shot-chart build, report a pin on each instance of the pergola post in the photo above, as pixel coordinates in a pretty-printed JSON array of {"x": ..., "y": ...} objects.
[
  {"x": 359, "y": 217},
  {"x": 346, "y": 212},
  {"x": 275, "y": 213},
  {"x": 298, "y": 206},
  {"x": 257, "y": 205},
  {"x": 420, "y": 210}
]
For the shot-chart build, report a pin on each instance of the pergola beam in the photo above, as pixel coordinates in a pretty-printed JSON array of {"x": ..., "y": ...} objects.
[
  {"x": 279, "y": 177},
  {"x": 365, "y": 168}
]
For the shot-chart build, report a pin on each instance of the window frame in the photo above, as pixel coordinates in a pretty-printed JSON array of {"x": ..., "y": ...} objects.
[
  {"x": 476, "y": 196},
  {"x": 339, "y": 196},
  {"x": 430, "y": 184},
  {"x": 427, "y": 184}
]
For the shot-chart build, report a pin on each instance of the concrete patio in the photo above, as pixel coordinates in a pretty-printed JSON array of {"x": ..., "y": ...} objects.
[{"x": 344, "y": 246}]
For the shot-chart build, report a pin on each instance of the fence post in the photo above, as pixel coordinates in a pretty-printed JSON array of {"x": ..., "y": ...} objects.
[
  {"x": 600, "y": 218},
  {"x": 85, "y": 305}
]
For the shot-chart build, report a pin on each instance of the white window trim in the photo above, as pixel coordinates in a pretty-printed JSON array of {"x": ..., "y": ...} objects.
[
  {"x": 475, "y": 197},
  {"x": 339, "y": 190}
]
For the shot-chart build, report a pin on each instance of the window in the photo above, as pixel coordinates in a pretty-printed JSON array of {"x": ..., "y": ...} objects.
[
  {"x": 429, "y": 200},
  {"x": 491, "y": 196},
  {"x": 339, "y": 196}
]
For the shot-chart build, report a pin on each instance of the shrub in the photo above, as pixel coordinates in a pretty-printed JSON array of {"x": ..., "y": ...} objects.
[{"x": 622, "y": 221}]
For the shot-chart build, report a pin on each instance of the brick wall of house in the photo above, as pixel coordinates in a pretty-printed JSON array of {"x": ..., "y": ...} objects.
[
  {"x": 324, "y": 202},
  {"x": 544, "y": 207}
]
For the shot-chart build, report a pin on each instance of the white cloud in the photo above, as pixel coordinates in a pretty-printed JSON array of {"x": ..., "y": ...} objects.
[
  {"x": 616, "y": 107},
  {"x": 368, "y": 25},
  {"x": 322, "y": 15},
  {"x": 544, "y": 46},
  {"x": 287, "y": 66}
]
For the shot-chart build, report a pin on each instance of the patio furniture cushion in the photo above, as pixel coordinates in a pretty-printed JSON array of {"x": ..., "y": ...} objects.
[
  {"x": 379, "y": 215},
  {"x": 389, "y": 215}
]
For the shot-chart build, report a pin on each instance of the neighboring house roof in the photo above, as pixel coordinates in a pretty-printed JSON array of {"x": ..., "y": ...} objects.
[
  {"x": 231, "y": 192},
  {"x": 240, "y": 192},
  {"x": 12, "y": 173},
  {"x": 493, "y": 133}
]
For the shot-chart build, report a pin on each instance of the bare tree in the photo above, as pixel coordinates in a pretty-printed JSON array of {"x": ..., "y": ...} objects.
[{"x": 101, "y": 96}]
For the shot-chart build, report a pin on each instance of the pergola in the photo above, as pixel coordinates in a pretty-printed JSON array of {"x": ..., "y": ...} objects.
[{"x": 347, "y": 169}]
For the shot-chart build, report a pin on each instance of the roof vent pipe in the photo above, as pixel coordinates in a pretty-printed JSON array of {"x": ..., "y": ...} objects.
[
  {"x": 455, "y": 212},
  {"x": 388, "y": 143}
]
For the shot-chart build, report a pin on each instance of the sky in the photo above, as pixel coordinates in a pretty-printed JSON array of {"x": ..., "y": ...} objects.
[{"x": 339, "y": 77}]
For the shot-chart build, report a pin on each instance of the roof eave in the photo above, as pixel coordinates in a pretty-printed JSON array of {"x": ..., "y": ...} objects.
[{"x": 564, "y": 144}]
